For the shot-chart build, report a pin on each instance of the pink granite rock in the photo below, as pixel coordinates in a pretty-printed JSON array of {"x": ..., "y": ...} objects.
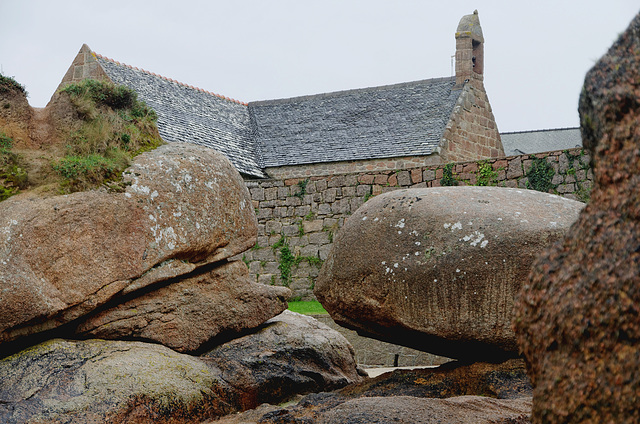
[
  {"x": 437, "y": 269},
  {"x": 184, "y": 207}
]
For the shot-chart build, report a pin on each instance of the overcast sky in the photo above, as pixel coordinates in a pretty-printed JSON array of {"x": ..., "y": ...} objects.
[{"x": 536, "y": 53}]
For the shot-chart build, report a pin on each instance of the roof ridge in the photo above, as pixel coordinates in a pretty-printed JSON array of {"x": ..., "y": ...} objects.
[
  {"x": 351, "y": 90},
  {"x": 169, "y": 79},
  {"x": 542, "y": 130}
]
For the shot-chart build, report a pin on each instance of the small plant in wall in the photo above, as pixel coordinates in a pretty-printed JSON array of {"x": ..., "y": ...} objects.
[
  {"x": 447, "y": 176},
  {"x": 287, "y": 261},
  {"x": 540, "y": 175},
  {"x": 486, "y": 176},
  {"x": 303, "y": 188}
]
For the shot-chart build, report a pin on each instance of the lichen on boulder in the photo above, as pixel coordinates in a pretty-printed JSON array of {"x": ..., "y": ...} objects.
[{"x": 437, "y": 269}]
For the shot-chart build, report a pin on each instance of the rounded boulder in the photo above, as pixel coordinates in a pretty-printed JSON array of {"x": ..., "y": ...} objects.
[{"x": 437, "y": 269}]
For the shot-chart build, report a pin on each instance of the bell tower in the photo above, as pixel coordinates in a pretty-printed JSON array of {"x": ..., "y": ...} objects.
[{"x": 469, "y": 49}]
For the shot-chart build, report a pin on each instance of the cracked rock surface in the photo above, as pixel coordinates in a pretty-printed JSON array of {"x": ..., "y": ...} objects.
[
  {"x": 112, "y": 381},
  {"x": 184, "y": 208}
]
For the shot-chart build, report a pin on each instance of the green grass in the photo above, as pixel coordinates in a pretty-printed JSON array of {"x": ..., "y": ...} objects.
[{"x": 312, "y": 307}]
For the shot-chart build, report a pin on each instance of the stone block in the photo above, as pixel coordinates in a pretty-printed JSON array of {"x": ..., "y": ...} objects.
[
  {"x": 349, "y": 191},
  {"x": 563, "y": 163},
  {"x": 586, "y": 185},
  {"x": 330, "y": 223},
  {"x": 523, "y": 182},
  {"x": 262, "y": 241},
  {"x": 557, "y": 179},
  {"x": 337, "y": 181},
  {"x": 312, "y": 226},
  {"x": 290, "y": 230},
  {"x": 392, "y": 180},
  {"x": 270, "y": 193},
  {"x": 321, "y": 185},
  {"x": 351, "y": 180},
  {"x": 366, "y": 179},
  {"x": 255, "y": 268},
  {"x": 381, "y": 179},
  {"x": 566, "y": 188},
  {"x": 416, "y": 176},
  {"x": 283, "y": 192},
  {"x": 310, "y": 250},
  {"x": 404, "y": 178},
  {"x": 323, "y": 251},
  {"x": 257, "y": 193},
  {"x": 299, "y": 240},
  {"x": 581, "y": 175},
  {"x": 273, "y": 227},
  {"x": 341, "y": 206},
  {"x": 293, "y": 201},
  {"x": 319, "y": 238},
  {"x": 264, "y": 254},
  {"x": 429, "y": 175},
  {"x": 311, "y": 187},
  {"x": 280, "y": 212},
  {"x": 264, "y": 213},
  {"x": 266, "y": 279},
  {"x": 515, "y": 168},
  {"x": 329, "y": 195},
  {"x": 355, "y": 203},
  {"x": 324, "y": 209},
  {"x": 302, "y": 211},
  {"x": 363, "y": 190}
]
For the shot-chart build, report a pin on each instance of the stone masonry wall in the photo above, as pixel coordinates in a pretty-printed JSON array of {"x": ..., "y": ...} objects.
[
  {"x": 352, "y": 167},
  {"x": 85, "y": 65},
  {"x": 298, "y": 217},
  {"x": 472, "y": 132}
]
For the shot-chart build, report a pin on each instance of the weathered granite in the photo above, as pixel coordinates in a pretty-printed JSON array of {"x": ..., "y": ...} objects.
[
  {"x": 578, "y": 319},
  {"x": 184, "y": 207},
  {"x": 438, "y": 269}
]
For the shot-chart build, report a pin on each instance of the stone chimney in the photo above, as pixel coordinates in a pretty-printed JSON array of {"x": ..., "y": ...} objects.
[{"x": 469, "y": 49}]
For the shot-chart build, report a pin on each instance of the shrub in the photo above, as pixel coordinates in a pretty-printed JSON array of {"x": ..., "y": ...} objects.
[
  {"x": 9, "y": 84},
  {"x": 540, "y": 175},
  {"x": 13, "y": 176},
  {"x": 486, "y": 176},
  {"x": 447, "y": 176}
]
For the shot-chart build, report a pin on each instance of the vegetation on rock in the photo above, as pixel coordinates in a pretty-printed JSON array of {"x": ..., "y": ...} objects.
[
  {"x": 114, "y": 126},
  {"x": 13, "y": 176},
  {"x": 10, "y": 84}
]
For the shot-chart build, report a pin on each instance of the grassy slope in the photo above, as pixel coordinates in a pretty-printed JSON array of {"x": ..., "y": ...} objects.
[{"x": 104, "y": 127}]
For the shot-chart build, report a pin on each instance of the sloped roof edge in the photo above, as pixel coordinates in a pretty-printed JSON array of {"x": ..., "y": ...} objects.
[
  {"x": 331, "y": 94},
  {"x": 168, "y": 79}
]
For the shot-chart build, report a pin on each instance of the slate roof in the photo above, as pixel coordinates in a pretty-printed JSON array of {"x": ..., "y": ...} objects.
[
  {"x": 529, "y": 142},
  {"x": 389, "y": 121},
  {"x": 186, "y": 113},
  {"x": 405, "y": 119}
]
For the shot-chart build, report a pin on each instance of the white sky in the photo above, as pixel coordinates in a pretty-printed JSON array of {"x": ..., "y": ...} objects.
[{"x": 536, "y": 53}]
